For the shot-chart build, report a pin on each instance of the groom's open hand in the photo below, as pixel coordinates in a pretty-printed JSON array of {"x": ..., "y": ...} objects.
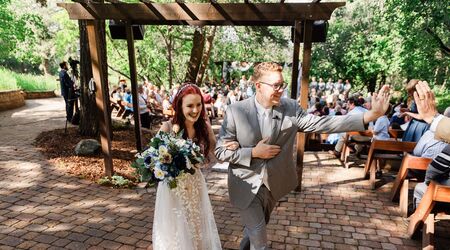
[{"x": 265, "y": 151}]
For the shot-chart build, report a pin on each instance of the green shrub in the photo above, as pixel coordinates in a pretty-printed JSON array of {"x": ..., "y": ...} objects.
[
  {"x": 11, "y": 81},
  {"x": 442, "y": 99},
  {"x": 7, "y": 80},
  {"x": 36, "y": 83}
]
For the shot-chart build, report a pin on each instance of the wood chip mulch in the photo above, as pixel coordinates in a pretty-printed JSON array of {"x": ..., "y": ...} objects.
[{"x": 59, "y": 148}]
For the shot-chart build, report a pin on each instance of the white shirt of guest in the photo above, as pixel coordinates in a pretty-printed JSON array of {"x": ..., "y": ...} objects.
[{"x": 266, "y": 130}]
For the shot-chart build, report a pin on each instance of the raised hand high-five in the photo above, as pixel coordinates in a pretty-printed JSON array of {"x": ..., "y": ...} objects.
[
  {"x": 425, "y": 102},
  {"x": 380, "y": 104}
]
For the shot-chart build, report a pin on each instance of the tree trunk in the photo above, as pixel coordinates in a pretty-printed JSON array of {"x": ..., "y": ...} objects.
[
  {"x": 169, "y": 44},
  {"x": 206, "y": 54},
  {"x": 198, "y": 43},
  {"x": 444, "y": 83},
  {"x": 46, "y": 66},
  {"x": 372, "y": 84},
  {"x": 88, "y": 109},
  {"x": 383, "y": 80}
]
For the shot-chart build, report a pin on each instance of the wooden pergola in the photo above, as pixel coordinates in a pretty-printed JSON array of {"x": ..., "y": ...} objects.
[{"x": 298, "y": 15}]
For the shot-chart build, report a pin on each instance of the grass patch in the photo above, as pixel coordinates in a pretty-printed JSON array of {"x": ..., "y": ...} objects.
[
  {"x": 11, "y": 81},
  {"x": 7, "y": 80}
]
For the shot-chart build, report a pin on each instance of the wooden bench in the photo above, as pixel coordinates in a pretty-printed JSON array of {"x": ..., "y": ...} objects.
[
  {"x": 386, "y": 147},
  {"x": 400, "y": 188},
  {"x": 396, "y": 134},
  {"x": 117, "y": 104},
  {"x": 423, "y": 216},
  {"x": 346, "y": 148}
]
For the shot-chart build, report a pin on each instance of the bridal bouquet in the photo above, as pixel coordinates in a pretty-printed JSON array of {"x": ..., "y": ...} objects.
[{"x": 167, "y": 157}]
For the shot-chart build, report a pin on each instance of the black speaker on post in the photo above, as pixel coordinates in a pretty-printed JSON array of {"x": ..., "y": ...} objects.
[
  {"x": 319, "y": 32},
  {"x": 117, "y": 30}
]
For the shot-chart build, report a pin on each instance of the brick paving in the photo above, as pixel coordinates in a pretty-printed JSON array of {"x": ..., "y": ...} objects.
[{"x": 43, "y": 208}]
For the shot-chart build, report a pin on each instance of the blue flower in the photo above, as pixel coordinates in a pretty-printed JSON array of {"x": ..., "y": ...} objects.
[
  {"x": 164, "y": 167},
  {"x": 148, "y": 160},
  {"x": 180, "y": 161}
]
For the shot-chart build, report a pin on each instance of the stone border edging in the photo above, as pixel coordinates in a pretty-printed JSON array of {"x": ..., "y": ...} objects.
[
  {"x": 11, "y": 99},
  {"x": 38, "y": 94}
]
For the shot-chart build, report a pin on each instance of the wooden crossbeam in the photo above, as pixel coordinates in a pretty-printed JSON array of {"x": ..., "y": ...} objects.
[
  {"x": 115, "y": 4},
  {"x": 88, "y": 8},
  {"x": 152, "y": 9},
  {"x": 251, "y": 14}
]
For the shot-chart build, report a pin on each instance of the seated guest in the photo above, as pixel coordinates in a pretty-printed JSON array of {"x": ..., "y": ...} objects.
[
  {"x": 354, "y": 107},
  {"x": 381, "y": 128},
  {"x": 438, "y": 170},
  {"x": 416, "y": 127},
  {"x": 220, "y": 104},
  {"x": 399, "y": 117},
  {"x": 428, "y": 146},
  {"x": 153, "y": 104},
  {"x": 209, "y": 101},
  {"x": 127, "y": 102},
  {"x": 116, "y": 101}
]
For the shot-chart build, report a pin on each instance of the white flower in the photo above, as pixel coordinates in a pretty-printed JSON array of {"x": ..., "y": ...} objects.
[
  {"x": 176, "y": 128},
  {"x": 159, "y": 173},
  {"x": 165, "y": 158},
  {"x": 180, "y": 143},
  {"x": 188, "y": 163},
  {"x": 163, "y": 150}
]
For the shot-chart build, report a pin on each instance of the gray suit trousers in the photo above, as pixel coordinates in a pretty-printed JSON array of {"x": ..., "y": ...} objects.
[{"x": 254, "y": 218}]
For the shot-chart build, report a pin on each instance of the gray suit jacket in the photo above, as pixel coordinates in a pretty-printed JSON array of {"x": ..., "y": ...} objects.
[{"x": 241, "y": 124}]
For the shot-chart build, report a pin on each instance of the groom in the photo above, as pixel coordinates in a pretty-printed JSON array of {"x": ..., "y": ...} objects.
[{"x": 262, "y": 169}]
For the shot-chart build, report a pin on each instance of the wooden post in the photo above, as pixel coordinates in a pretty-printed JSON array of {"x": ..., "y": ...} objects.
[
  {"x": 294, "y": 79},
  {"x": 306, "y": 65},
  {"x": 134, "y": 93},
  {"x": 294, "y": 93},
  {"x": 101, "y": 92}
]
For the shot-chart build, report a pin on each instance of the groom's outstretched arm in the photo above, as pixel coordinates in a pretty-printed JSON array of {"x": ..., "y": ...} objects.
[
  {"x": 328, "y": 124},
  {"x": 241, "y": 156}
]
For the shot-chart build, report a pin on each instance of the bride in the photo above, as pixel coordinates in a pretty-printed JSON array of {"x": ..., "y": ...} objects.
[{"x": 183, "y": 216}]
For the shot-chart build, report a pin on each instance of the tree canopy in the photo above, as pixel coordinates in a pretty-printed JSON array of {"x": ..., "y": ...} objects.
[{"x": 369, "y": 42}]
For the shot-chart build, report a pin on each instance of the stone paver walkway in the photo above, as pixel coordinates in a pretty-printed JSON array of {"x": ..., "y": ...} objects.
[{"x": 41, "y": 207}]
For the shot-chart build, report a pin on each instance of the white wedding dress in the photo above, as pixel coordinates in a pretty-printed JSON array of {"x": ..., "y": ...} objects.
[{"x": 183, "y": 216}]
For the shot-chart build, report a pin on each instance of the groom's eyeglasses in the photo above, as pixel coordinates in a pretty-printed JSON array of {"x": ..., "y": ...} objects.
[{"x": 276, "y": 86}]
